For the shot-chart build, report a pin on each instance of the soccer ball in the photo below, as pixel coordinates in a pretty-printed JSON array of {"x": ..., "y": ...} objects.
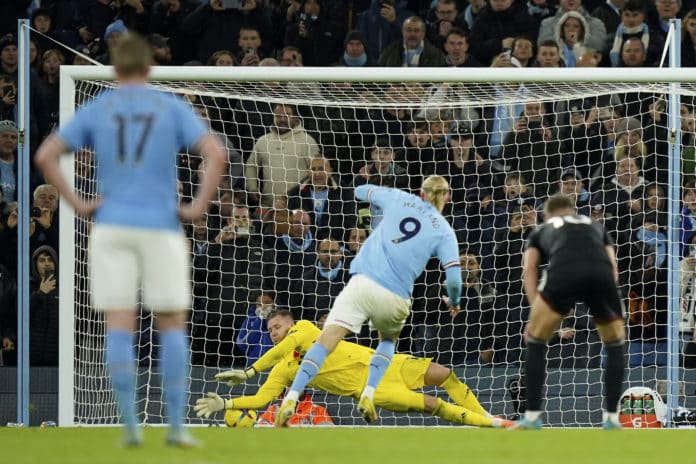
[{"x": 240, "y": 418}]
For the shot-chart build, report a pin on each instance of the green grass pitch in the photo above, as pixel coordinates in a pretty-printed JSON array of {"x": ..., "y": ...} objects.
[{"x": 352, "y": 446}]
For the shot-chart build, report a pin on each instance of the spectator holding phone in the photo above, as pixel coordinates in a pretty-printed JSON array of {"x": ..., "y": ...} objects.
[
  {"x": 217, "y": 24},
  {"x": 8, "y": 99},
  {"x": 249, "y": 42},
  {"x": 43, "y": 308},
  {"x": 318, "y": 37},
  {"x": 381, "y": 24}
]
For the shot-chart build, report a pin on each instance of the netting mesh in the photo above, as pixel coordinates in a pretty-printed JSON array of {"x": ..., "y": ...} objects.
[{"x": 287, "y": 225}]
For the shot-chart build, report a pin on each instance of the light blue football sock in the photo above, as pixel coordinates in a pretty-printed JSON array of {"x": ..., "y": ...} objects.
[
  {"x": 174, "y": 364},
  {"x": 379, "y": 362},
  {"x": 120, "y": 362},
  {"x": 309, "y": 368}
]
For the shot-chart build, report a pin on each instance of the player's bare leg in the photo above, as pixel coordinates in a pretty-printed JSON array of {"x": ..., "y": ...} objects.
[
  {"x": 379, "y": 363},
  {"x": 543, "y": 322},
  {"x": 174, "y": 370},
  {"x": 120, "y": 362},
  {"x": 310, "y": 366},
  {"x": 612, "y": 334}
]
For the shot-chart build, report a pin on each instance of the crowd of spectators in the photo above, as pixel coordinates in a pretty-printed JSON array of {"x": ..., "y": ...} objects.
[{"x": 285, "y": 226}]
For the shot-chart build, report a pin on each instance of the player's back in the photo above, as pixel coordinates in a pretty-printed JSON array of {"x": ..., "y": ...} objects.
[
  {"x": 575, "y": 240},
  {"x": 136, "y": 133},
  {"x": 398, "y": 249}
]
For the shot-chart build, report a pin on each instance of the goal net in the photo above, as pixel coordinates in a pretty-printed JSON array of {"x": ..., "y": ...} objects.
[{"x": 287, "y": 226}]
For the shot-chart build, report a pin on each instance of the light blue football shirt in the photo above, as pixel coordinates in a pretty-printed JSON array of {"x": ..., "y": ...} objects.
[
  {"x": 136, "y": 133},
  {"x": 410, "y": 233}
]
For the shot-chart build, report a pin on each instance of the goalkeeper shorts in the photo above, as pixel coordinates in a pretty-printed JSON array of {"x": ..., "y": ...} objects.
[
  {"x": 124, "y": 259},
  {"x": 363, "y": 299}
]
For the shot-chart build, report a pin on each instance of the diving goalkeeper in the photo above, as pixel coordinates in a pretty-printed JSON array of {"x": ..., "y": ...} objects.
[{"x": 344, "y": 374}]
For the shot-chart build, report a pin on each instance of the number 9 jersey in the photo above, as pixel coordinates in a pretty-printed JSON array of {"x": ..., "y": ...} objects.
[{"x": 410, "y": 233}]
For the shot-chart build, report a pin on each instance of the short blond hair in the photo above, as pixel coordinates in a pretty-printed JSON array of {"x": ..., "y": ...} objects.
[
  {"x": 132, "y": 56},
  {"x": 436, "y": 189}
]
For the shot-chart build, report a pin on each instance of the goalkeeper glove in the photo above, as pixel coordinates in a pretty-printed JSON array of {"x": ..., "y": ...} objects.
[
  {"x": 210, "y": 405},
  {"x": 235, "y": 376}
]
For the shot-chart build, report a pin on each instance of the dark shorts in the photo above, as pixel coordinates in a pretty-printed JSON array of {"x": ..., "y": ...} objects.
[{"x": 592, "y": 285}]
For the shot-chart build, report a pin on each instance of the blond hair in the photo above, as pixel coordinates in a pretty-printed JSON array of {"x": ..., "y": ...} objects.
[
  {"x": 132, "y": 56},
  {"x": 436, "y": 189}
]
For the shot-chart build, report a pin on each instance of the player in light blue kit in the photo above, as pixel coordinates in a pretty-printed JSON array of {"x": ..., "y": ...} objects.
[
  {"x": 136, "y": 133},
  {"x": 410, "y": 233}
]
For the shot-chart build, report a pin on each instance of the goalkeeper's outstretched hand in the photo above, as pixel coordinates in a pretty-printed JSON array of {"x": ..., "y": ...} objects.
[
  {"x": 205, "y": 407},
  {"x": 235, "y": 376}
]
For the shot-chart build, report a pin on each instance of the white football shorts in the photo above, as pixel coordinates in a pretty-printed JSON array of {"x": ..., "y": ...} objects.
[
  {"x": 363, "y": 299},
  {"x": 122, "y": 258}
]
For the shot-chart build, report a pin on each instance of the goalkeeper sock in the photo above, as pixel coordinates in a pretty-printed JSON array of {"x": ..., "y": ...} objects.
[
  {"x": 120, "y": 361},
  {"x": 462, "y": 394},
  {"x": 174, "y": 366},
  {"x": 535, "y": 373},
  {"x": 309, "y": 368},
  {"x": 614, "y": 374},
  {"x": 460, "y": 415},
  {"x": 379, "y": 363}
]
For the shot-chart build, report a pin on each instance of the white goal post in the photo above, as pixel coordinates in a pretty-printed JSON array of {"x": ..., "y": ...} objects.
[{"x": 342, "y": 105}]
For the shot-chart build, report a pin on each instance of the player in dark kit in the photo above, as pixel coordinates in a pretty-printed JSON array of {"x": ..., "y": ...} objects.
[{"x": 581, "y": 268}]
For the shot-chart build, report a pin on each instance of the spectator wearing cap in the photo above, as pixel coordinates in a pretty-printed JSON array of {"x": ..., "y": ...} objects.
[
  {"x": 8, "y": 160},
  {"x": 316, "y": 34},
  {"x": 457, "y": 48},
  {"x": 166, "y": 19},
  {"x": 413, "y": 50},
  {"x": 596, "y": 33},
  {"x": 355, "y": 51},
  {"x": 571, "y": 35},
  {"x": 571, "y": 183},
  {"x": 8, "y": 56},
  {"x": 633, "y": 25},
  {"x": 381, "y": 24},
  {"x": 162, "y": 52},
  {"x": 112, "y": 35},
  {"x": 42, "y": 22},
  {"x": 609, "y": 13},
  {"x": 532, "y": 149},
  {"x": 216, "y": 28},
  {"x": 441, "y": 19},
  {"x": 496, "y": 27}
]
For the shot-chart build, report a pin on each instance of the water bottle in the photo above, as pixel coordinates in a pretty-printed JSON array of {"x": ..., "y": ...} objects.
[
  {"x": 626, "y": 406},
  {"x": 45, "y": 424},
  {"x": 649, "y": 405},
  {"x": 638, "y": 406}
]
